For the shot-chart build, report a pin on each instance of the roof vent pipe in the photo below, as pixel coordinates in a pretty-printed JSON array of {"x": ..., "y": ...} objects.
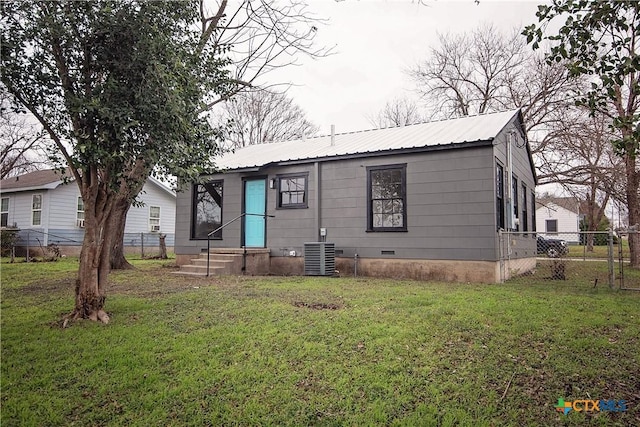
[
  {"x": 304, "y": 136},
  {"x": 333, "y": 135}
]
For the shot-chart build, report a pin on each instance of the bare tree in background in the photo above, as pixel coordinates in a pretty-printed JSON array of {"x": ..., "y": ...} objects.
[
  {"x": 397, "y": 112},
  {"x": 258, "y": 37},
  {"x": 21, "y": 141},
  {"x": 581, "y": 158},
  {"x": 261, "y": 116},
  {"x": 487, "y": 71}
]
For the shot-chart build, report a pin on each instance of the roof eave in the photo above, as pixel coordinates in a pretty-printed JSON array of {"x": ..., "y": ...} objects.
[{"x": 49, "y": 186}]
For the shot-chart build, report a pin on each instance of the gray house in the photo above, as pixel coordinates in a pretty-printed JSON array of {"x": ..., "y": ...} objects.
[
  {"x": 423, "y": 201},
  {"x": 48, "y": 210}
]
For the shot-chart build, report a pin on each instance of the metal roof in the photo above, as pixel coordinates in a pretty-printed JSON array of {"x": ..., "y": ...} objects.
[{"x": 468, "y": 129}]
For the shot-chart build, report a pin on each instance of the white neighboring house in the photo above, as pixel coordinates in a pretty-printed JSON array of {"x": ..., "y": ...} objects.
[
  {"x": 558, "y": 216},
  {"x": 47, "y": 210}
]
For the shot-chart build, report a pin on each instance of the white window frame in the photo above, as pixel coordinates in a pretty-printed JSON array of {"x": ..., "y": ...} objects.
[
  {"x": 153, "y": 219},
  {"x": 34, "y": 210},
  {"x": 80, "y": 213},
  {"x": 4, "y": 210}
]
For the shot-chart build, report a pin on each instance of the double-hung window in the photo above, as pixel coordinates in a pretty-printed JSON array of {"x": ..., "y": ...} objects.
[
  {"x": 533, "y": 211},
  {"x": 4, "y": 212},
  {"x": 36, "y": 209},
  {"x": 514, "y": 188},
  {"x": 80, "y": 213},
  {"x": 207, "y": 210},
  {"x": 499, "y": 196},
  {"x": 387, "y": 198},
  {"x": 154, "y": 218},
  {"x": 292, "y": 191},
  {"x": 525, "y": 213}
]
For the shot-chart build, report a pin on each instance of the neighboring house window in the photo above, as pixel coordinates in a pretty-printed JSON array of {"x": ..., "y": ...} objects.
[
  {"x": 206, "y": 210},
  {"x": 292, "y": 191},
  {"x": 552, "y": 226},
  {"x": 525, "y": 214},
  {"x": 80, "y": 213},
  {"x": 36, "y": 209},
  {"x": 387, "y": 198},
  {"x": 154, "y": 218},
  {"x": 4, "y": 212},
  {"x": 499, "y": 196},
  {"x": 533, "y": 211},
  {"x": 514, "y": 186}
]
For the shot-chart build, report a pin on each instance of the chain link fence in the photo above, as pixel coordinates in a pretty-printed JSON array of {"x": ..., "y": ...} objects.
[
  {"x": 571, "y": 258},
  {"x": 29, "y": 243}
]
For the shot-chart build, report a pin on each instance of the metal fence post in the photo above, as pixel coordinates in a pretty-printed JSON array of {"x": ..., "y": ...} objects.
[
  {"x": 142, "y": 245},
  {"x": 612, "y": 277}
]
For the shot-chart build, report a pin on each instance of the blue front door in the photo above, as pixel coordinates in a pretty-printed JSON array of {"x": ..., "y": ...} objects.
[{"x": 254, "y": 203}]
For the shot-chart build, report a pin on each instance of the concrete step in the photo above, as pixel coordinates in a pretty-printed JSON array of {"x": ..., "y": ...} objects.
[
  {"x": 213, "y": 261},
  {"x": 199, "y": 269}
]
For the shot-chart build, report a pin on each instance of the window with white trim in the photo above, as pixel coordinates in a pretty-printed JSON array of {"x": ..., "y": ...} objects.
[
  {"x": 36, "y": 209},
  {"x": 154, "y": 218},
  {"x": 4, "y": 211},
  {"x": 80, "y": 213}
]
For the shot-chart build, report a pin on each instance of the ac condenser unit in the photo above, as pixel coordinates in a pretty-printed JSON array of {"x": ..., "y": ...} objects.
[{"x": 319, "y": 259}]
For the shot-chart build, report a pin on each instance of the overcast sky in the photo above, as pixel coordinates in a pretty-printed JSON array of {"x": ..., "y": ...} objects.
[{"x": 375, "y": 42}]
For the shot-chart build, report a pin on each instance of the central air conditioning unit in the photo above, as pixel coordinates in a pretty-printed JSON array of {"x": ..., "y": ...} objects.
[{"x": 319, "y": 259}]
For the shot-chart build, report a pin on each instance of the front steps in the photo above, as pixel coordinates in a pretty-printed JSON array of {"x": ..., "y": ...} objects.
[{"x": 226, "y": 262}]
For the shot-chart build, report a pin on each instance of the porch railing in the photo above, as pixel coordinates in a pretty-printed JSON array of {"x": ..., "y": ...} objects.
[{"x": 242, "y": 215}]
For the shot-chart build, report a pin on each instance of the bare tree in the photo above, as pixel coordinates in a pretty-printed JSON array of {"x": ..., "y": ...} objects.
[
  {"x": 599, "y": 41},
  {"x": 261, "y": 116},
  {"x": 580, "y": 156},
  {"x": 257, "y": 37},
  {"x": 397, "y": 112},
  {"x": 486, "y": 71},
  {"x": 21, "y": 141}
]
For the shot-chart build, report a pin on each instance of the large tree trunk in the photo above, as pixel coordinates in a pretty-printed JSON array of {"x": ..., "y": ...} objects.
[
  {"x": 118, "y": 222},
  {"x": 93, "y": 272},
  {"x": 633, "y": 206}
]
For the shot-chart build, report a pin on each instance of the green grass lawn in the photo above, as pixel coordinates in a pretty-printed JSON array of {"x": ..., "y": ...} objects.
[
  {"x": 580, "y": 251},
  {"x": 313, "y": 351}
]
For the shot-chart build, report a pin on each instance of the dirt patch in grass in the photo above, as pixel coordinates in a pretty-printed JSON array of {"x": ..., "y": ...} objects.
[{"x": 317, "y": 305}]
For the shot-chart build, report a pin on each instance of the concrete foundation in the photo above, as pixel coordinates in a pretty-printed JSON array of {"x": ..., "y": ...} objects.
[
  {"x": 259, "y": 262},
  {"x": 427, "y": 270}
]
